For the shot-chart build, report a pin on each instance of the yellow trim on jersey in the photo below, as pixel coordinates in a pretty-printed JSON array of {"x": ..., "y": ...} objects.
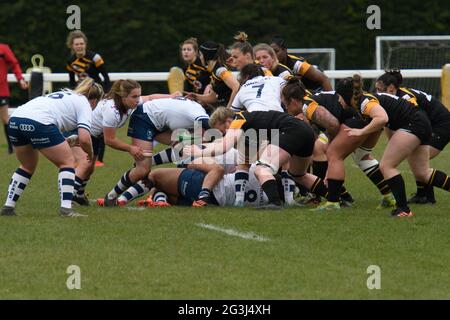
[
  {"x": 237, "y": 124},
  {"x": 413, "y": 98},
  {"x": 225, "y": 74},
  {"x": 99, "y": 62},
  {"x": 369, "y": 106},
  {"x": 304, "y": 68},
  {"x": 267, "y": 72},
  {"x": 311, "y": 108}
]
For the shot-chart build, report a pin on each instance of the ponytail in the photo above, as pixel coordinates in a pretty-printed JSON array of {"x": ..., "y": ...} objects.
[
  {"x": 90, "y": 89},
  {"x": 351, "y": 90},
  {"x": 357, "y": 90},
  {"x": 242, "y": 44},
  {"x": 393, "y": 77},
  {"x": 294, "y": 89}
]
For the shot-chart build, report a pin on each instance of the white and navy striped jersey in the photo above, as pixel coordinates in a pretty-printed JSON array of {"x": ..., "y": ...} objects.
[
  {"x": 174, "y": 113},
  {"x": 225, "y": 193},
  {"x": 106, "y": 114},
  {"x": 65, "y": 109},
  {"x": 259, "y": 94}
]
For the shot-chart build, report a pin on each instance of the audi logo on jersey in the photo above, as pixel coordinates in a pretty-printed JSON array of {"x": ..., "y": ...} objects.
[{"x": 27, "y": 127}]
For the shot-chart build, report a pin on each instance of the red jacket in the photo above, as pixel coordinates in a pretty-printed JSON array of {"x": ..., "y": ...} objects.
[{"x": 7, "y": 61}]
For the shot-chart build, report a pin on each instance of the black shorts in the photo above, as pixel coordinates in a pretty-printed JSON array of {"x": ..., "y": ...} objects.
[
  {"x": 440, "y": 136},
  {"x": 420, "y": 126},
  {"x": 4, "y": 101},
  {"x": 297, "y": 138},
  {"x": 96, "y": 144}
]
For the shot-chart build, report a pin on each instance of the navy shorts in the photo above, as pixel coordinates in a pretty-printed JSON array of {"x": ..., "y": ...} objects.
[
  {"x": 22, "y": 131},
  {"x": 141, "y": 127},
  {"x": 189, "y": 186}
]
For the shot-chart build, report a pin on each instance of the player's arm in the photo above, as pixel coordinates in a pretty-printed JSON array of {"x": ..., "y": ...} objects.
[
  {"x": 207, "y": 98},
  {"x": 160, "y": 96},
  {"x": 109, "y": 135},
  {"x": 233, "y": 84},
  {"x": 85, "y": 141},
  {"x": 379, "y": 120},
  {"x": 318, "y": 76},
  {"x": 325, "y": 119},
  {"x": 104, "y": 73},
  {"x": 72, "y": 82},
  {"x": 13, "y": 63},
  {"x": 215, "y": 148}
]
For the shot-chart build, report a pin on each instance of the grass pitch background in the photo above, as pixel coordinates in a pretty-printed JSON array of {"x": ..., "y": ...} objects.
[{"x": 163, "y": 254}]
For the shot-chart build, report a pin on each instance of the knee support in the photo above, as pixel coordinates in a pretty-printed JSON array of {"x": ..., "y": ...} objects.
[{"x": 364, "y": 165}]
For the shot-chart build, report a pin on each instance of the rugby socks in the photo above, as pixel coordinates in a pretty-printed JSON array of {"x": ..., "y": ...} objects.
[
  {"x": 397, "y": 185},
  {"x": 164, "y": 156},
  {"x": 375, "y": 175},
  {"x": 439, "y": 179},
  {"x": 160, "y": 197},
  {"x": 10, "y": 147},
  {"x": 66, "y": 182},
  {"x": 19, "y": 181},
  {"x": 421, "y": 189},
  {"x": 288, "y": 187},
  {"x": 204, "y": 193},
  {"x": 334, "y": 190},
  {"x": 123, "y": 184},
  {"x": 138, "y": 189},
  {"x": 80, "y": 186},
  {"x": 240, "y": 184},
  {"x": 319, "y": 169},
  {"x": 271, "y": 190},
  {"x": 319, "y": 188}
]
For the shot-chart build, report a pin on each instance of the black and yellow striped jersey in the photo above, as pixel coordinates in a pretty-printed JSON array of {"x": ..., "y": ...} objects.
[
  {"x": 197, "y": 77},
  {"x": 262, "y": 120},
  {"x": 299, "y": 66},
  {"x": 330, "y": 101},
  {"x": 435, "y": 110},
  {"x": 90, "y": 65},
  {"x": 282, "y": 71},
  {"x": 399, "y": 111},
  {"x": 218, "y": 74}
]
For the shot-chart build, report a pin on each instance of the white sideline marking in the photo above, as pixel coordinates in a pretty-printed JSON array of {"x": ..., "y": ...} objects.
[
  {"x": 135, "y": 208},
  {"x": 234, "y": 233}
]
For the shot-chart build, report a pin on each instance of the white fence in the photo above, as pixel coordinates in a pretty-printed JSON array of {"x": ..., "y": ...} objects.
[{"x": 162, "y": 76}]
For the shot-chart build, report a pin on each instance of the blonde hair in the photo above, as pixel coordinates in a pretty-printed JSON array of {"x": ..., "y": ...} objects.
[
  {"x": 74, "y": 35},
  {"x": 90, "y": 89},
  {"x": 270, "y": 51},
  {"x": 192, "y": 41},
  {"x": 242, "y": 44},
  {"x": 121, "y": 89},
  {"x": 220, "y": 116}
]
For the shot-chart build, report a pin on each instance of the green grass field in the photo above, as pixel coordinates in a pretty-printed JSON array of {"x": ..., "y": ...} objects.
[{"x": 164, "y": 254}]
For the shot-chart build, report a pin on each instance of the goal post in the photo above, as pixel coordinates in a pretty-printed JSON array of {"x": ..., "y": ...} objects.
[
  {"x": 414, "y": 52},
  {"x": 322, "y": 58}
]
